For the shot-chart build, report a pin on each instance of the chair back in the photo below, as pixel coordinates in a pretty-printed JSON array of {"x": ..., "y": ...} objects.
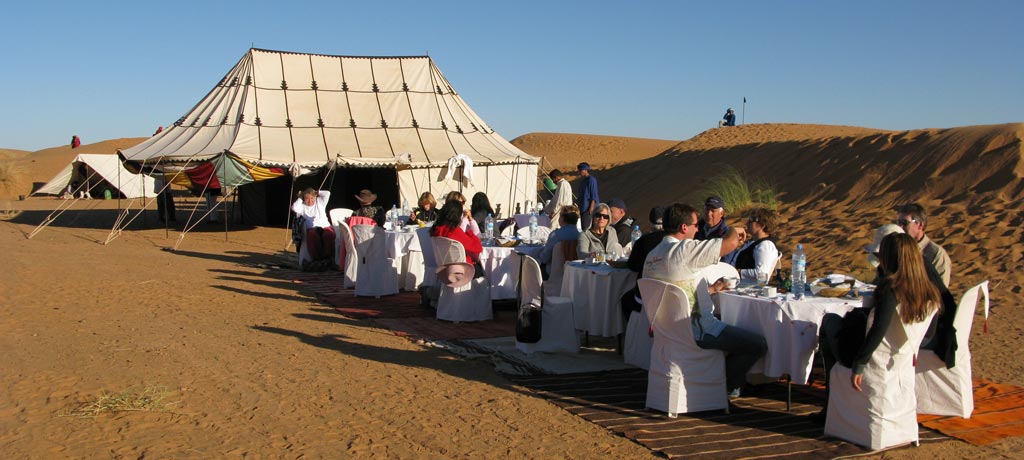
[
  {"x": 338, "y": 215},
  {"x": 369, "y": 242},
  {"x": 509, "y": 230},
  {"x": 348, "y": 257},
  {"x": 530, "y": 282},
  {"x": 714, "y": 272},
  {"x": 452, "y": 269},
  {"x": 964, "y": 318},
  {"x": 668, "y": 309},
  {"x": 558, "y": 258},
  {"x": 427, "y": 246}
]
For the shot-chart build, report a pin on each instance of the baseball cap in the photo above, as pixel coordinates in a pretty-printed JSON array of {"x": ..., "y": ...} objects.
[
  {"x": 714, "y": 202},
  {"x": 617, "y": 203}
]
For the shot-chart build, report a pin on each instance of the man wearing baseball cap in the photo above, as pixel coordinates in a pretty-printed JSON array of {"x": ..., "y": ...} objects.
[
  {"x": 623, "y": 225},
  {"x": 588, "y": 198},
  {"x": 713, "y": 224}
]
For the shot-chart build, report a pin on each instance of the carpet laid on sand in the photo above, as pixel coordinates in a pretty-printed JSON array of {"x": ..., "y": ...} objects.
[
  {"x": 998, "y": 414},
  {"x": 756, "y": 427}
]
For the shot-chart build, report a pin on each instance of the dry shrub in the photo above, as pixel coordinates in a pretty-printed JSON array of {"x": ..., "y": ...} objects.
[{"x": 150, "y": 399}]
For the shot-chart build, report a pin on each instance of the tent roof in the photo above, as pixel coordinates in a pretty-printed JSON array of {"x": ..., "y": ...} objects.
[
  {"x": 110, "y": 168},
  {"x": 280, "y": 108}
]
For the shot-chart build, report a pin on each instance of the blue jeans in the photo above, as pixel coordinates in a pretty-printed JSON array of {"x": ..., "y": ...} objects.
[{"x": 742, "y": 349}]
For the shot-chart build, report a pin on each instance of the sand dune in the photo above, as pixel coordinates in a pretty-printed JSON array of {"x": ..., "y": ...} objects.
[{"x": 565, "y": 151}]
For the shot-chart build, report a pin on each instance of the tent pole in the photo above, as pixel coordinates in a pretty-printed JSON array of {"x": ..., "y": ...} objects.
[{"x": 222, "y": 186}]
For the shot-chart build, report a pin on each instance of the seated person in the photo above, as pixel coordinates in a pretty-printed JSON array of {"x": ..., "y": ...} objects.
[
  {"x": 904, "y": 293},
  {"x": 600, "y": 237},
  {"x": 566, "y": 231},
  {"x": 481, "y": 208},
  {"x": 449, "y": 225},
  {"x": 311, "y": 209},
  {"x": 468, "y": 224},
  {"x": 759, "y": 254},
  {"x": 367, "y": 209},
  {"x": 631, "y": 300},
  {"x": 622, "y": 224},
  {"x": 427, "y": 210}
]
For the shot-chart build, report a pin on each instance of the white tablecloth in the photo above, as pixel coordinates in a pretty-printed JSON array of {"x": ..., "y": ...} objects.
[
  {"x": 789, "y": 326},
  {"x": 502, "y": 267},
  {"x": 405, "y": 247},
  {"x": 596, "y": 293}
]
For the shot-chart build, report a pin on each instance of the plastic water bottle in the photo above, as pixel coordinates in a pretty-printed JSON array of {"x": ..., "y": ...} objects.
[
  {"x": 636, "y": 234},
  {"x": 393, "y": 217},
  {"x": 533, "y": 227},
  {"x": 405, "y": 207},
  {"x": 799, "y": 276},
  {"x": 489, "y": 228}
]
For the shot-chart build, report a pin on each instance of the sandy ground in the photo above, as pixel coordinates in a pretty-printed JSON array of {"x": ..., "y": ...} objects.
[{"x": 255, "y": 368}]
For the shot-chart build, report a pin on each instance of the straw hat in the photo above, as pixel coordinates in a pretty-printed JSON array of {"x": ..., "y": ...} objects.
[
  {"x": 880, "y": 234},
  {"x": 366, "y": 197}
]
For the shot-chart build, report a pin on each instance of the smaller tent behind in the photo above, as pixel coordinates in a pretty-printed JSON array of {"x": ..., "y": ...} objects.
[{"x": 106, "y": 167}]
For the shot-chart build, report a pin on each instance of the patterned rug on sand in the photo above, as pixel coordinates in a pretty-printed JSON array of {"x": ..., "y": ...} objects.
[{"x": 756, "y": 427}]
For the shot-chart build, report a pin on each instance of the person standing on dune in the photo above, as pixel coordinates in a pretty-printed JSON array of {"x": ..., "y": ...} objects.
[{"x": 75, "y": 142}]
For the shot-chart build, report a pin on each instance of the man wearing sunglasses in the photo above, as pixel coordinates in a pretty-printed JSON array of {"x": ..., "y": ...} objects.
[
  {"x": 678, "y": 260},
  {"x": 913, "y": 219}
]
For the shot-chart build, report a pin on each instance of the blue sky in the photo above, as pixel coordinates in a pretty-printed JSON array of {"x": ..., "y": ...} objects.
[{"x": 665, "y": 70}]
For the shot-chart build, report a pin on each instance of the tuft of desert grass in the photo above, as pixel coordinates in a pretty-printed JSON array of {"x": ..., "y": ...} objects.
[
  {"x": 740, "y": 191},
  {"x": 149, "y": 399}
]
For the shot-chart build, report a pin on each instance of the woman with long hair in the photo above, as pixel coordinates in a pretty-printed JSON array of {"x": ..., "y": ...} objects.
[
  {"x": 449, "y": 225},
  {"x": 480, "y": 208},
  {"x": 904, "y": 293}
]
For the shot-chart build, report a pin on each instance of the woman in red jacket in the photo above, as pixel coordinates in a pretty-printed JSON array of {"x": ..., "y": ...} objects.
[{"x": 448, "y": 225}]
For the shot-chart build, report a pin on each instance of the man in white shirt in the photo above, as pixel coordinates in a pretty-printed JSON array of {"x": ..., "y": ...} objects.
[
  {"x": 563, "y": 197},
  {"x": 912, "y": 219},
  {"x": 678, "y": 260}
]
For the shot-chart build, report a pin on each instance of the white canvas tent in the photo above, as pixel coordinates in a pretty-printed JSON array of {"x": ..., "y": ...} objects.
[
  {"x": 278, "y": 108},
  {"x": 109, "y": 168}
]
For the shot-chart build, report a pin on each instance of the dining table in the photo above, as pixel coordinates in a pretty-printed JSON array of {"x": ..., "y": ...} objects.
[
  {"x": 596, "y": 291},
  {"x": 789, "y": 326},
  {"x": 501, "y": 265}
]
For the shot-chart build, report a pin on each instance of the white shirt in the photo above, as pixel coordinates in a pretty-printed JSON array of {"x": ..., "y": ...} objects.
[
  {"x": 679, "y": 262},
  {"x": 766, "y": 255},
  {"x": 316, "y": 215},
  {"x": 563, "y": 197}
]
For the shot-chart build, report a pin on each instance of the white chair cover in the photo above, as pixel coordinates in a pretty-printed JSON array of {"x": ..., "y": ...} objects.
[
  {"x": 556, "y": 271},
  {"x": 377, "y": 274},
  {"x": 558, "y": 328},
  {"x": 542, "y": 233},
  {"x": 715, "y": 272},
  {"x": 636, "y": 348},
  {"x": 509, "y": 230},
  {"x": 346, "y": 256},
  {"x": 338, "y": 215},
  {"x": 471, "y": 302},
  {"x": 429, "y": 261},
  {"x": 949, "y": 391},
  {"x": 304, "y": 255},
  {"x": 884, "y": 414},
  {"x": 683, "y": 377}
]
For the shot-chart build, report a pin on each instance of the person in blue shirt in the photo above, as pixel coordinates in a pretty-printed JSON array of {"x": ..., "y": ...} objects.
[
  {"x": 588, "y": 199},
  {"x": 566, "y": 231},
  {"x": 729, "y": 119}
]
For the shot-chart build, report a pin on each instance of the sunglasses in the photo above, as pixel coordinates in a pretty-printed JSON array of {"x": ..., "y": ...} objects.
[
  {"x": 905, "y": 222},
  {"x": 602, "y": 216}
]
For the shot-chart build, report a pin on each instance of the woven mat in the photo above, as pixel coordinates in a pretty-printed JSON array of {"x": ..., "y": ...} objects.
[{"x": 998, "y": 414}]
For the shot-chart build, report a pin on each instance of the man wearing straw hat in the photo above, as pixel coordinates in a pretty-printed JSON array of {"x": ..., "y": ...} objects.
[{"x": 367, "y": 209}]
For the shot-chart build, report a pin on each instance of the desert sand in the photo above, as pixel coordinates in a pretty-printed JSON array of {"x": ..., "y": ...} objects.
[{"x": 254, "y": 367}]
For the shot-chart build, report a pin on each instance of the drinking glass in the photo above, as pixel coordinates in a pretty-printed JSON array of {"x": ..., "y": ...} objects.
[{"x": 762, "y": 279}]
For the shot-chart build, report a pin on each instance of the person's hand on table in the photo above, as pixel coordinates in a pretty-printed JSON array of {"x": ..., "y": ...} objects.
[{"x": 718, "y": 286}]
